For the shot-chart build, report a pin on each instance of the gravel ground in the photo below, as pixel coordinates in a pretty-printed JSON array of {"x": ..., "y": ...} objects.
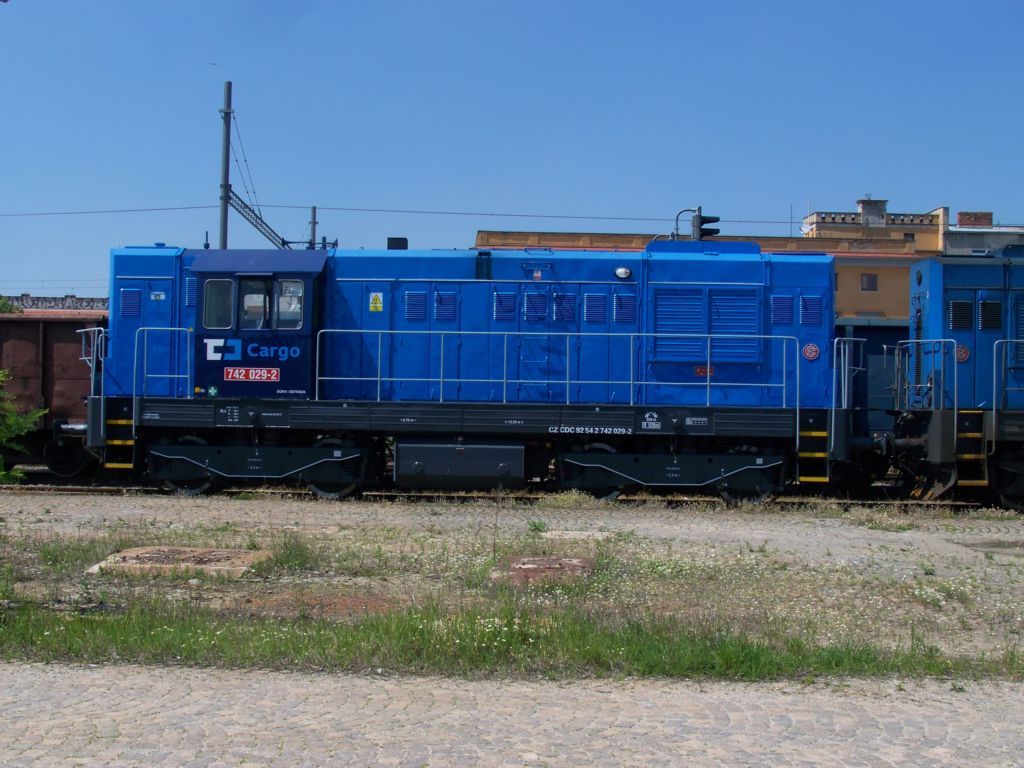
[
  {"x": 836, "y": 572},
  {"x": 862, "y": 565}
]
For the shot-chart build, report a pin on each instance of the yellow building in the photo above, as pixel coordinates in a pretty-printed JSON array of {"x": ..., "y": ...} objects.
[{"x": 872, "y": 222}]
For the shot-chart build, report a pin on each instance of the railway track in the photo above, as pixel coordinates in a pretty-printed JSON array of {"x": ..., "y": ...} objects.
[{"x": 673, "y": 500}]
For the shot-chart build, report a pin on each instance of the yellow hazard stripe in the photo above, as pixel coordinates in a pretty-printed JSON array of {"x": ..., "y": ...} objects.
[
  {"x": 120, "y": 442},
  {"x": 969, "y": 434},
  {"x": 973, "y": 482},
  {"x": 813, "y": 455},
  {"x": 118, "y": 465},
  {"x": 120, "y": 422},
  {"x": 806, "y": 479},
  {"x": 814, "y": 433},
  {"x": 971, "y": 456}
]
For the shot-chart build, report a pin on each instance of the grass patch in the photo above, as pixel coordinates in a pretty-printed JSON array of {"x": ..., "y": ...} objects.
[
  {"x": 507, "y": 639},
  {"x": 292, "y": 553},
  {"x": 63, "y": 556},
  {"x": 7, "y": 581},
  {"x": 572, "y": 499}
]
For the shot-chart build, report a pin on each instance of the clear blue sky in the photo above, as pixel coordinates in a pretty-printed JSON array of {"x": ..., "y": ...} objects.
[{"x": 580, "y": 107}]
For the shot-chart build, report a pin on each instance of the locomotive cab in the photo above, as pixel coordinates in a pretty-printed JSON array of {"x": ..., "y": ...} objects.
[{"x": 256, "y": 323}]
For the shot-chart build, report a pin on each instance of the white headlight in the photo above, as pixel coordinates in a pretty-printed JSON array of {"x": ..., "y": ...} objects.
[{"x": 623, "y": 272}]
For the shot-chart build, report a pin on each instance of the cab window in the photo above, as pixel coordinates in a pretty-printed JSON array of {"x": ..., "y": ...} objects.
[
  {"x": 217, "y": 304},
  {"x": 264, "y": 304},
  {"x": 289, "y": 304},
  {"x": 254, "y": 304}
]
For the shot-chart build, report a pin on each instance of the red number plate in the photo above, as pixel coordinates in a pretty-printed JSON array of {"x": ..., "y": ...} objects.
[{"x": 252, "y": 374}]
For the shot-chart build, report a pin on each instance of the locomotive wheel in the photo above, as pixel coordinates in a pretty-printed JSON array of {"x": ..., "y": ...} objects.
[
  {"x": 604, "y": 493},
  {"x": 329, "y": 490},
  {"x": 193, "y": 486},
  {"x": 733, "y": 496},
  {"x": 1008, "y": 478},
  {"x": 67, "y": 458}
]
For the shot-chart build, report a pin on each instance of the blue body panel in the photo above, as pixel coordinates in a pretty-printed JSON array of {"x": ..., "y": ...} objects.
[
  {"x": 148, "y": 291},
  {"x": 977, "y": 304},
  {"x": 704, "y": 323}
]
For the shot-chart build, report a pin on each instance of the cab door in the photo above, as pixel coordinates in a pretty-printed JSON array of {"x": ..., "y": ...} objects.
[{"x": 255, "y": 336}]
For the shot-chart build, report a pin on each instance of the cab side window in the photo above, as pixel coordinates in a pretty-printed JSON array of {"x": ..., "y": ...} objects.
[
  {"x": 264, "y": 303},
  {"x": 217, "y": 304},
  {"x": 254, "y": 304},
  {"x": 289, "y": 304}
]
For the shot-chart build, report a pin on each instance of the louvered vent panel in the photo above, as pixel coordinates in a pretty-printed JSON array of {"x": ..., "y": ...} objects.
[
  {"x": 504, "y": 306},
  {"x": 961, "y": 315},
  {"x": 565, "y": 306},
  {"x": 416, "y": 306},
  {"x": 679, "y": 311},
  {"x": 735, "y": 313},
  {"x": 990, "y": 315},
  {"x": 810, "y": 310},
  {"x": 624, "y": 308},
  {"x": 595, "y": 308},
  {"x": 782, "y": 310},
  {"x": 131, "y": 302},
  {"x": 191, "y": 291},
  {"x": 444, "y": 306},
  {"x": 535, "y": 306}
]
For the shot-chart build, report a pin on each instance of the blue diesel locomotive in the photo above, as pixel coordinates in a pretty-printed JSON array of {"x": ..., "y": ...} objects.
[
  {"x": 688, "y": 365},
  {"x": 959, "y": 377}
]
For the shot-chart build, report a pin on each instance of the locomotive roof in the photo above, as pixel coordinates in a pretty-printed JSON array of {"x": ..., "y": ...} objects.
[{"x": 259, "y": 261}]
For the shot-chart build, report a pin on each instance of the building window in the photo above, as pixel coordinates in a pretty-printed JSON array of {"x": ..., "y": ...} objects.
[
  {"x": 909, "y": 237},
  {"x": 869, "y": 281}
]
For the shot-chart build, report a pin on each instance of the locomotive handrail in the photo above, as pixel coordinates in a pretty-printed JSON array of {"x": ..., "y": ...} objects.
[
  {"x": 632, "y": 338},
  {"x": 142, "y": 334},
  {"x": 94, "y": 345},
  {"x": 940, "y": 347},
  {"x": 999, "y": 396},
  {"x": 842, "y": 350}
]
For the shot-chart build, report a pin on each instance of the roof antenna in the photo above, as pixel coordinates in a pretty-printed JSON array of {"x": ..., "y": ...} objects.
[{"x": 206, "y": 242}]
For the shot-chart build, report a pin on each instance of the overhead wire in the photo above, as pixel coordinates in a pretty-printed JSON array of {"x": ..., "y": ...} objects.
[
  {"x": 403, "y": 211},
  {"x": 241, "y": 145},
  {"x": 245, "y": 185}
]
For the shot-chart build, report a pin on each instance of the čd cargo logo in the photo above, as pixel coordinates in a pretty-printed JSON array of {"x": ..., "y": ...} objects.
[
  {"x": 811, "y": 351},
  {"x": 231, "y": 349}
]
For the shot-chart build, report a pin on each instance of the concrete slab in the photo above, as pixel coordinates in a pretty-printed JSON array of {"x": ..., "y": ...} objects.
[
  {"x": 215, "y": 561},
  {"x": 523, "y": 570}
]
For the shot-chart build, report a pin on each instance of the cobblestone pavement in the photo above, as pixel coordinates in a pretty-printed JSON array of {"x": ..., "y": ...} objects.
[{"x": 124, "y": 716}]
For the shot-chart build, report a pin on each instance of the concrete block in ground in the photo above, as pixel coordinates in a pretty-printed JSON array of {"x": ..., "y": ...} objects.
[
  {"x": 523, "y": 570},
  {"x": 216, "y": 561}
]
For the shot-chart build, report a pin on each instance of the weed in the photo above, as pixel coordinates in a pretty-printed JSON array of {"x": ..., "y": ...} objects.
[
  {"x": 927, "y": 569},
  {"x": 572, "y": 499},
  {"x": 537, "y": 526},
  {"x": 7, "y": 581},
  {"x": 291, "y": 553},
  {"x": 63, "y": 556},
  {"x": 506, "y": 638}
]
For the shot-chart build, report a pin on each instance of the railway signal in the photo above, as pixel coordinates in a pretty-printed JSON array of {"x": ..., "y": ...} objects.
[{"x": 699, "y": 230}]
